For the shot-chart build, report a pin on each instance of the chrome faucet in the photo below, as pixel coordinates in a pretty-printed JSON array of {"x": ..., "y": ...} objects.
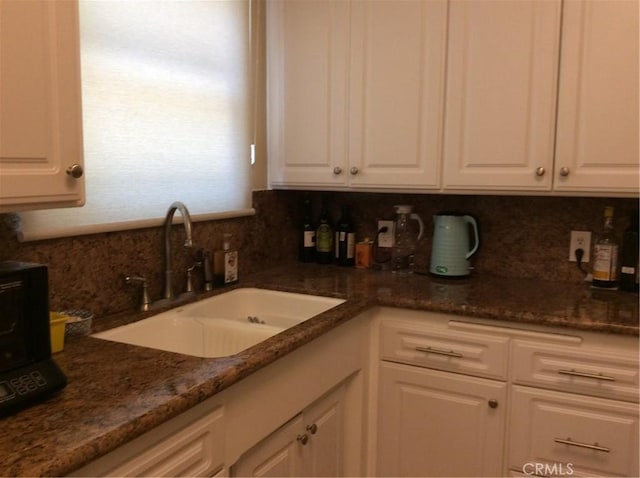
[{"x": 188, "y": 242}]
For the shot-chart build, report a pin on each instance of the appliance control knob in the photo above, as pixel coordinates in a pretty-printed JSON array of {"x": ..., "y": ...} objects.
[
  {"x": 303, "y": 439},
  {"x": 540, "y": 171},
  {"x": 564, "y": 172},
  {"x": 337, "y": 170},
  {"x": 75, "y": 171},
  {"x": 493, "y": 403}
]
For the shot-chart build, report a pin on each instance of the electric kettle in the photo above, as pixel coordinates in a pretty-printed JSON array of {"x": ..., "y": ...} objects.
[{"x": 450, "y": 249}]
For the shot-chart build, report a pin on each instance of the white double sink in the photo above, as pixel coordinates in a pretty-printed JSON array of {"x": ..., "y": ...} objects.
[{"x": 224, "y": 324}]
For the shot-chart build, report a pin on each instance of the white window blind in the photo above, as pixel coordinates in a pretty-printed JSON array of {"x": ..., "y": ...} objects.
[{"x": 166, "y": 91}]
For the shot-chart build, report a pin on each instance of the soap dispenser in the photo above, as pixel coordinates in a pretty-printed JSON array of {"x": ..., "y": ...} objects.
[{"x": 225, "y": 263}]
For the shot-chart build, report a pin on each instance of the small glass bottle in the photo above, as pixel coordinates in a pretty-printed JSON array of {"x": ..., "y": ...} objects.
[
  {"x": 225, "y": 263},
  {"x": 605, "y": 255}
]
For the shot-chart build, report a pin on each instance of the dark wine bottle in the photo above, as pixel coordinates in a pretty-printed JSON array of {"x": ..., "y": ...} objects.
[
  {"x": 629, "y": 255},
  {"x": 324, "y": 237},
  {"x": 345, "y": 241},
  {"x": 307, "y": 234}
]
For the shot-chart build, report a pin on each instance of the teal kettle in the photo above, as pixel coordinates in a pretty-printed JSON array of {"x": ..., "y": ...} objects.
[{"x": 455, "y": 240}]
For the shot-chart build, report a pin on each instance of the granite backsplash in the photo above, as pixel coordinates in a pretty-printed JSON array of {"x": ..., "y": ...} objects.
[{"x": 521, "y": 237}]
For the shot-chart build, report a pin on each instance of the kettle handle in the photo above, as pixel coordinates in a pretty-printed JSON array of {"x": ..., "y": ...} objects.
[
  {"x": 474, "y": 225},
  {"x": 419, "y": 219}
]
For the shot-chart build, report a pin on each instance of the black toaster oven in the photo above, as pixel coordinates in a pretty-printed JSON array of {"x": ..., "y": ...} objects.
[{"x": 27, "y": 370}]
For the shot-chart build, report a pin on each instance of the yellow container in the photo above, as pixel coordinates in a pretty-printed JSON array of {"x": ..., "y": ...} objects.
[{"x": 57, "y": 321}]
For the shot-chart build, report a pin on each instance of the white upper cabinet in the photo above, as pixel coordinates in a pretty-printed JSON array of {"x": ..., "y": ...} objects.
[
  {"x": 356, "y": 92},
  {"x": 398, "y": 52},
  {"x": 506, "y": 96},
  {"x": 40, "y": 107},
  {"x": 597, "y": 144},
  {"x": 307, "y": 76},
  {"x": 501, "y": 94}
]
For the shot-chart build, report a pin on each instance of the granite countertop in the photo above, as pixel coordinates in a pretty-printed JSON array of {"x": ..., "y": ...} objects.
[{"x": 117, "y": 392}]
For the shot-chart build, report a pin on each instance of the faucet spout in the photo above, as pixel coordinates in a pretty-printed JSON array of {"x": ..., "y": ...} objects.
[{"x": 188, "y": 242}]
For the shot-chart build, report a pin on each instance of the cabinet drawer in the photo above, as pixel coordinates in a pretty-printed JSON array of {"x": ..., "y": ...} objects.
[
  {"x": 594, "y": 435},
  {"x": 193, "y": 451},
  {"x": 483, "y": 355},
  {"x": 590, "y": 372}
]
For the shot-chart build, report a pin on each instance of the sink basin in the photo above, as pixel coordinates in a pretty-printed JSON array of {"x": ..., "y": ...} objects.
[{"x": 222, "y": 325}]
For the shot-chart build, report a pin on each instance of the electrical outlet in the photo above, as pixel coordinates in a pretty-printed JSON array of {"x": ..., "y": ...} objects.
[
  {"x": 580, "y": 240},
  {"x": 386, "y": 239}
]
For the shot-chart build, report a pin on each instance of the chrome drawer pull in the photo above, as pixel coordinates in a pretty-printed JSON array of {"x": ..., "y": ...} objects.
[
  {"x": 587, "y": 375},
  {"x": 431, "y": 350},
  {"x": 595, "y": 446}
]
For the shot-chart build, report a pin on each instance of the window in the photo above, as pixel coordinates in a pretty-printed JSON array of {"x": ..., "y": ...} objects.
[{"x": 167, "y": 98}]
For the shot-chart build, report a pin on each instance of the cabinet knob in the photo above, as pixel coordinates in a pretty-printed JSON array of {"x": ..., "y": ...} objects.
[
  {"x": 540, "y": 171},
  {"x": 337, "y": 170},
  {"x": 564, "y": 172},
  {"x": 75, "y": 171},
  {"x": 353, "y": 170},
  {"x": 493, "y": 403},
  {"x": 313, "y": 428},
  {"x": 303, "y": 439}
]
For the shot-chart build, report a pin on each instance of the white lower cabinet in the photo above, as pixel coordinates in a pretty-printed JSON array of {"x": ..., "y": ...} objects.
[
  {"x": 308, "y": 445},
  {"x": 447, "y": 396},
  {"x": 248, "y": 429},
  {"x": 442, "y": 398},
  {"x": 192, "y": 451},
  {"x": 468, "y": 397},
  {"x": 574, "y": 410},
  {"x": 434, "y": 423},
  {"x": 277, "y": 455},
  {"x": 554, "y": 431},
  {"x": 609, "y": 374},
  {"x": 190, "y": 445}
]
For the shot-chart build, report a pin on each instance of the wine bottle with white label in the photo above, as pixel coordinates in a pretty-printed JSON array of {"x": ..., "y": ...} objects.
[
  {"x": 345, "y": 241},
  {"x": 307, "y": 235},
  {"x": 324, "y": 237},
  {"x": 605, "y": 255}
]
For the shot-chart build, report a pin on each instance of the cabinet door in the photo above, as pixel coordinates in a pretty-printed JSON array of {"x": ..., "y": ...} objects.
[
  {"x": 398, "y": 51},
  {"x": 434, "y": 423},
  {"x": 598, "y": 98},
  {"x": 501, "y": 94},
  {"x": 307, "y": 55},
  {"x": 310, "y": 444},
  {"x": 40, "y": 108},
  {"x": 596, "y": 436},
  {"x": 324, "y": 427},
  {"x": 280, "y": 454}
]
